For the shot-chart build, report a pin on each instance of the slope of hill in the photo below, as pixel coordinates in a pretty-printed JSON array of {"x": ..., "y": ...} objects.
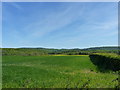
[{"x": 50, "y": 51}]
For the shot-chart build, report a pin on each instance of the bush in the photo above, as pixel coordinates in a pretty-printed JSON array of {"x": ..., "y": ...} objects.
[{"x": 106, "y": 61}]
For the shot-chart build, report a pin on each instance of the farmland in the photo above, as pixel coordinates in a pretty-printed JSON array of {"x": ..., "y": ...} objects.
[{"x": 55, "y": 71}]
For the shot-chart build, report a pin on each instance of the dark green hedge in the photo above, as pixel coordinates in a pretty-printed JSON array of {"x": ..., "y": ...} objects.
[{"x": 106, "y": 61}]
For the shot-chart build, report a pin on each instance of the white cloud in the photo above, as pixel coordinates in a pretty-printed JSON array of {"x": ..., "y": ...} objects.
[
  {"x": 53, "y": 21},
  {"x": 16, "y": 6}
]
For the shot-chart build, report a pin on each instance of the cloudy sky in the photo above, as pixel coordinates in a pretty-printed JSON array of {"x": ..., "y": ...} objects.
[{"x": 60, "y": 24}]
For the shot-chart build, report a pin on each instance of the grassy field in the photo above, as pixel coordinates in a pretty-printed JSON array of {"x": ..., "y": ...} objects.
[{"x": 54, "y": 72}]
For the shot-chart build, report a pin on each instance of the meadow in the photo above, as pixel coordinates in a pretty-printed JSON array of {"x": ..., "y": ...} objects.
[{"x": 60, "y": 71}]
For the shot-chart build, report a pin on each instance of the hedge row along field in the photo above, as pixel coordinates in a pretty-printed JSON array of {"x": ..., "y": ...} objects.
[{"x": 106, "y": 61}]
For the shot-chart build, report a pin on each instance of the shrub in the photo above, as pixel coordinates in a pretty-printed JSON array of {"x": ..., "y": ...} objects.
[{"x": 106, "y": 60}]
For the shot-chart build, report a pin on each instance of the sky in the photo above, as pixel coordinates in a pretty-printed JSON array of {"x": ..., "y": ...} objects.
[{"x": 59, "y": 24}]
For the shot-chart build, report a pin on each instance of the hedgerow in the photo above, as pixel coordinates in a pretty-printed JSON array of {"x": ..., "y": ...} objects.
[{"x": 106, "y": 60}]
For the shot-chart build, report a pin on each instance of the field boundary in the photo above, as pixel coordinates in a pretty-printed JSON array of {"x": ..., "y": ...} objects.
[{"x": 106, "y": 62}]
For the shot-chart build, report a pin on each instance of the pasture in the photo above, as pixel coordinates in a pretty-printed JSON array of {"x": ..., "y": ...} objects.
[{"x": 54, "y": 72}]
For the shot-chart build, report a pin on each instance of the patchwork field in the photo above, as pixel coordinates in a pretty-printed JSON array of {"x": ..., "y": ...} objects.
[{"x": 54, "y": 72}]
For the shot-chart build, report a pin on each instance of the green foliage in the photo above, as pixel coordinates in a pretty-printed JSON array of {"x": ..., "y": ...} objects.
[
  {"x": 106, "y": 61},
  {"x": 47, "y": 51},
  {"x": 54, "y": 72}
]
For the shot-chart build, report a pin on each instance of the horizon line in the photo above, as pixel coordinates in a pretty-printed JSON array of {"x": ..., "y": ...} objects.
[{"x": 63, "y": 48}]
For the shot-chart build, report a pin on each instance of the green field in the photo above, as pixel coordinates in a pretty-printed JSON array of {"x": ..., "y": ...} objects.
[{"x": 54, "y": 72}]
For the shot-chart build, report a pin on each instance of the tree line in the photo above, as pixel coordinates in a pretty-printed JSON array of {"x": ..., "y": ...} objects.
[{"x": 51, "y": 51}]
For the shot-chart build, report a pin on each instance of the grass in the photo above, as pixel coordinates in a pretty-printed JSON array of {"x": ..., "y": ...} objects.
[{"x": 54, "y": 72}]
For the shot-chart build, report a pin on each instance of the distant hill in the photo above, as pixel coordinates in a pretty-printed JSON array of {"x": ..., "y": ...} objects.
[
  {"x": 25, "y": 51},
  {"x": 103, "y": 48},
  {"x": 91, "y": 48}
]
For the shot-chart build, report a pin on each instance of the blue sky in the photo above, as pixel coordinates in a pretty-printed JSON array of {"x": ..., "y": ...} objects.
[{"x": 60, "y": 24}]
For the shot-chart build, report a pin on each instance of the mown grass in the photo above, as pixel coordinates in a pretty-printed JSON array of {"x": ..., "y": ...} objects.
[{"x": 54, "y": 72}]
